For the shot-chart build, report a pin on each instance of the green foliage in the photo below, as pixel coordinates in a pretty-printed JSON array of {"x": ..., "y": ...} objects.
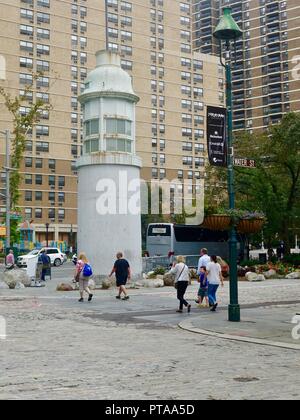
[
  {"x": 293, "y": 259},
  {"x": 14, "y": 231},
  {"x": 160, "y": 271},
  {"x": 22, "y": 124},
  {"x": 273, "y": 188}
]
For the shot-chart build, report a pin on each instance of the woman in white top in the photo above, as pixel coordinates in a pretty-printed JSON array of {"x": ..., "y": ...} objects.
[
  {"x": 182, "y": 278},
  {"x": 215, "y": 278}
]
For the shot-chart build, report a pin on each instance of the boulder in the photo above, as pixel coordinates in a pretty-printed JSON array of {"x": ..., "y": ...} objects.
[
  {"x": 152, "y": 283},
  {"x": 92, "y": 284},
  {"x": 3, "y": 285},
  {"x": 169, "y": 279},
  {"x": 11, "y": 283},
  {"x": 20, "y": 286},
  {"x": 15, "y": 276},
  {"x": 107, "y": 283},
  {"x": 269, "y": 274},
  {"x": 251, "y": 277},
  {"x": 293, "y": 276},
  {"x": 65, "y": 287},
  {"x": 261, "y": 277},
  {"x": 160, "y": 277}
]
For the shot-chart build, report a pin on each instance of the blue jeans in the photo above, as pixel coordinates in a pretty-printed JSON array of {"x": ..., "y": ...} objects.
[{"x": 212, "y": 293}]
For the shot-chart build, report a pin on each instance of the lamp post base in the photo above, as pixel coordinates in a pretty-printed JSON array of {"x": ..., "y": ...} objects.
[{"x": 234, "y": 313}]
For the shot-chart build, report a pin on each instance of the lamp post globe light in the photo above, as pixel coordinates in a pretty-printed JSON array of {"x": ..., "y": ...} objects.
[
  {"x": 228, "y": 31},
  {"x": 47, "y": 234}
]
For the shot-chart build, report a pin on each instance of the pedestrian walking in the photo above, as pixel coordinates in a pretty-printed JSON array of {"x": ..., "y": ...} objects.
[
  {"x": 204, "y": 260},
  {"x": 203, "y": 289},
  {"x": 10, "y": 260},
  {"x": 182, "y": 277},
  {"x": 46, "y": 264},
  {"x": 215, "y": 278},
  {"x": 122, "y": 271},
  {"x": 83, "y": 273}
]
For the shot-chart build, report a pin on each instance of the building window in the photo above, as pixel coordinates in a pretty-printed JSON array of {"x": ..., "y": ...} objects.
[
  {"x": 91, "y": 127},
  {"x": 28, "y": 162},
  {"x": 52, "y": 164},
  {"x": 38, "y": 163},
  {"x": 61, "y": 197},
  {"x": 61, "y": 214},
  {"x": 51, "y": 197},
  {"x": 51, "y": 180},
  {"x": 28, "y": 195},
  {"x": 28, "y": 179},
  {"x": 39, "y": 180},
  {"x": 38, "y": 213},
  {"x": 61, "y": 181},
  {"x": 117, "y": 126},
  {"x": 38, "y": 196},
  {"x": 28, "y": 214},
  {"x": 51, "y": 214},
  {"x": 42, "y": 146}
]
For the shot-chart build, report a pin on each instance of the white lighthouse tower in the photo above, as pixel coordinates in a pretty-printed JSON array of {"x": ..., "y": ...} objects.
[{"x": 109, "y": 170}]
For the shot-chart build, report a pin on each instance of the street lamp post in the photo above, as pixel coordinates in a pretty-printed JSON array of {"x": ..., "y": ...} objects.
[
  {"x": 228, "y": 31},
  {"x": 47, "y": 234},
  {"x": 7, "y": 191}
]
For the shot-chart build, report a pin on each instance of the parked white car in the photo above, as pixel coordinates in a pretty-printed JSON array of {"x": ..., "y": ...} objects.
[{"x": 56, "y": 256}]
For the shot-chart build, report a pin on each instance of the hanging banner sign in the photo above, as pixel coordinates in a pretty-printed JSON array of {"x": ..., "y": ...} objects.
[{"x": 216, "y": 136}]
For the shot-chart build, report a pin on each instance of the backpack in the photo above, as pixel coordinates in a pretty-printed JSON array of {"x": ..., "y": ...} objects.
[{"x": 87, "y": 271}]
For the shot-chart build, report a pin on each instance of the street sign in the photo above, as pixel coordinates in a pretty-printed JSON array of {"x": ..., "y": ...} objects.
[
  {"x": 244, "y": 163},
  {"x": 216, "y": 136}
]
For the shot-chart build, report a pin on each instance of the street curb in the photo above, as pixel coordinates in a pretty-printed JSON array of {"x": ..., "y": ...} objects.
[{"x": 188, "y": 326}]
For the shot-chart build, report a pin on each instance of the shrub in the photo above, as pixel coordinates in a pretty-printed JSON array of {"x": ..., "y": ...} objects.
[
  {"x": 160, "y": 271},
  {"x": 292, "y": 260}
]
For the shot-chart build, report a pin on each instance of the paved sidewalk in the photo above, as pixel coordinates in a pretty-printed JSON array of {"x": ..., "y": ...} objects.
[{"x": 267, "y": 325}]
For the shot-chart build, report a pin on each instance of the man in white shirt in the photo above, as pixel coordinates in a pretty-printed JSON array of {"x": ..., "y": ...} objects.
[{"x": 204, "y": 260}]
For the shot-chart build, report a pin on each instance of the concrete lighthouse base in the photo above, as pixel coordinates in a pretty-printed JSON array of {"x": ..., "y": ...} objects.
[{"x": 109, "y": 218}]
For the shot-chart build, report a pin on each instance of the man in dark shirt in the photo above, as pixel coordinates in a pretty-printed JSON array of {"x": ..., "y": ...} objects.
[
  {"x": 45, "y": 259},
  {"x": 123, "y": 273}
]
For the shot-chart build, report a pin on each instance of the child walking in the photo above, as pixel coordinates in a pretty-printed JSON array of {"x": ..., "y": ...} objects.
[{"x": 203, "y": 289}]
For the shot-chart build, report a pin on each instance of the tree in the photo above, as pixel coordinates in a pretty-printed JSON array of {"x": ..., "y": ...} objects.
[
  {"x": 22, "y": 125},
  {"x": 274, "y": 186}
]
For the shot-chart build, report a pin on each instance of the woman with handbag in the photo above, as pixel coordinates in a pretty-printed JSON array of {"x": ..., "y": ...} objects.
[{"x": 182, "y": 278}]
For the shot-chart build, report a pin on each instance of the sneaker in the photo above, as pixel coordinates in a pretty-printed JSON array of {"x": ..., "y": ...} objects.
[
  {"x": 189, "y": 308},
  {"x": 90, "y": 297},
  {"x": 118, "y": 297},
  {"x": 126, "y": 298},
  {"x": 179, "y": 311},
  {"x": 81, "y": 300},
  {"x": 213, "y": 309}
]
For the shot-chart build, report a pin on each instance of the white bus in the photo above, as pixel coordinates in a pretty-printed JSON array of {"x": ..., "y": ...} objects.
[{"x": 168, "y": 239}]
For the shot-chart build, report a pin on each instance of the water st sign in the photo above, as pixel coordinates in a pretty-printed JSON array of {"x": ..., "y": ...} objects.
[
  {"x": 244, "y": 163},
  {"x": 216, "y": 136}
]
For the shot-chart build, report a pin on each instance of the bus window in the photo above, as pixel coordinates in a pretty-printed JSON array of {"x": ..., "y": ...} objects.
[
  {"x": 159, "y": 230},
  {"x": 196, "y": 234}
]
